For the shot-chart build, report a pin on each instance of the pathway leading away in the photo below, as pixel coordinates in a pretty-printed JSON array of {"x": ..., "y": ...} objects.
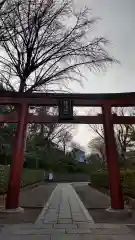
[{"x": 65, "y": 218}]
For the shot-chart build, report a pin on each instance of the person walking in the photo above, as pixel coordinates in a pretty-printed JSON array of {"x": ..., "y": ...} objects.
[{"x": 50, "y": 177}]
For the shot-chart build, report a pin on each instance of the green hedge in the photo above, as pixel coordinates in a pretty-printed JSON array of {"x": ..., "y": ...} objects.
[
  {"x": 28, "y": 177},
  {"x": 100, "y": 179}
]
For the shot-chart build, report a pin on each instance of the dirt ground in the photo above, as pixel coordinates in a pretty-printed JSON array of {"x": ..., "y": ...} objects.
[
  {"x": 96, "y": 203},
  {"x": 32, "y": 200}
]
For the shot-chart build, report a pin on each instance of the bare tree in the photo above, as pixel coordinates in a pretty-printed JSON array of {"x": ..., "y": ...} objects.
[
  {"x": 97, "y": 146},
  {"x": 65, "y": 138},
  {"x": 52, "y": 132},
  {"x": 122, "y": 131},
  {"x": 2, "y": 4},
  {"x": 41, "y": 48},
  {"x": 76, "y": 145},
  {"x": 98, "y": 129}
]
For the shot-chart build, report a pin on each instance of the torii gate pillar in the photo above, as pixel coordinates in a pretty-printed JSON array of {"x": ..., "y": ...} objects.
[
  {"x": 112, "y": 160},
  {"x": 12, "y": 200}
]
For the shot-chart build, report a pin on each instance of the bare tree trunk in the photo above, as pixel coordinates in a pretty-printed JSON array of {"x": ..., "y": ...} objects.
[{"x": 64, "y": 147}]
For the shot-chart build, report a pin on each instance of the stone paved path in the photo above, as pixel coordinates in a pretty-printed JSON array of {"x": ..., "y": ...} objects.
[
  {"x": 65, "y": 218},
  {"x": 93, "y": 196}
]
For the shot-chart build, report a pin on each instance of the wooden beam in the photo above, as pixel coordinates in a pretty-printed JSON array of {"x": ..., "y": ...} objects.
[
  {"x": 123, "y": 119},
  {"x": 50, "y": 99},
  {"x": 43, "y": 118},
  {"x": 76, "y": 119},
  {"x": 12, "y": 118}
]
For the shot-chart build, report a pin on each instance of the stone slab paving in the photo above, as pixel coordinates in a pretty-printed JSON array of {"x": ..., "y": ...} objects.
[
  {"x": 65, "y": 218},
  {"x": 92, "y": 199}
]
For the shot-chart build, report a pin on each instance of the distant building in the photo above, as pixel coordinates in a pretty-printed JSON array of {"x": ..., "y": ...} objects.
[{"x": 79, "y": 155}]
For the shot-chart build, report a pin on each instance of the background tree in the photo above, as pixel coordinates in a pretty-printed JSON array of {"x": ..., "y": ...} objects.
[
  {"x": 97, "y": 146},
  {"x": 52, "y": 132},
  {"x": 76, "y": 145},
  {"x": 94, "y": 162},
  {"x": 39, "y": 47},
  {"x": 123, "y": 133},
  {"x": 7, "y": 132},
  {"x": 65, "y": 138}
]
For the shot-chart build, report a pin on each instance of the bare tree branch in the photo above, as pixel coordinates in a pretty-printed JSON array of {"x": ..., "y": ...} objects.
[
  {"x": 52, "y": 132},
  {"x": 97, "y": 146},
  {"x": 122, "y": 131},
  {"x": 40, "y": 47}
]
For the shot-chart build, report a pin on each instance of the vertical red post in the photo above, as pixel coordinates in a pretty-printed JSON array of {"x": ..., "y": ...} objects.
[
  {"x": 12, "y": 200},
  {"x": 112, "y": 160}
]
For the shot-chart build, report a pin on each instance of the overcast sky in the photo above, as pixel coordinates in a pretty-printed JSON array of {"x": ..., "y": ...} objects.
[{"x": 117, "y": 25}]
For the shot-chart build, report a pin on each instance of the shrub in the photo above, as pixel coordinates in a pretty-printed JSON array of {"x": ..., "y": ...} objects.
[
  {"x": 28, "y": 177},
  {"x": 31, "y": 176},
  {"x": 4, "y": 172},
  {"x": 100, "y": 179}
]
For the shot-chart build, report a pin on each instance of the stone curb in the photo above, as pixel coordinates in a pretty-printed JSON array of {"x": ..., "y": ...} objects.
[
  {"x": 85, "y": 211},
  {"x": 129, "y": 203},
  {"x": 46, "y": 207}
]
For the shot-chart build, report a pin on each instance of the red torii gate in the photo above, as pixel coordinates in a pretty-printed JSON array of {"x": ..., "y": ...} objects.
[{"x": 22, "y": 101}]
